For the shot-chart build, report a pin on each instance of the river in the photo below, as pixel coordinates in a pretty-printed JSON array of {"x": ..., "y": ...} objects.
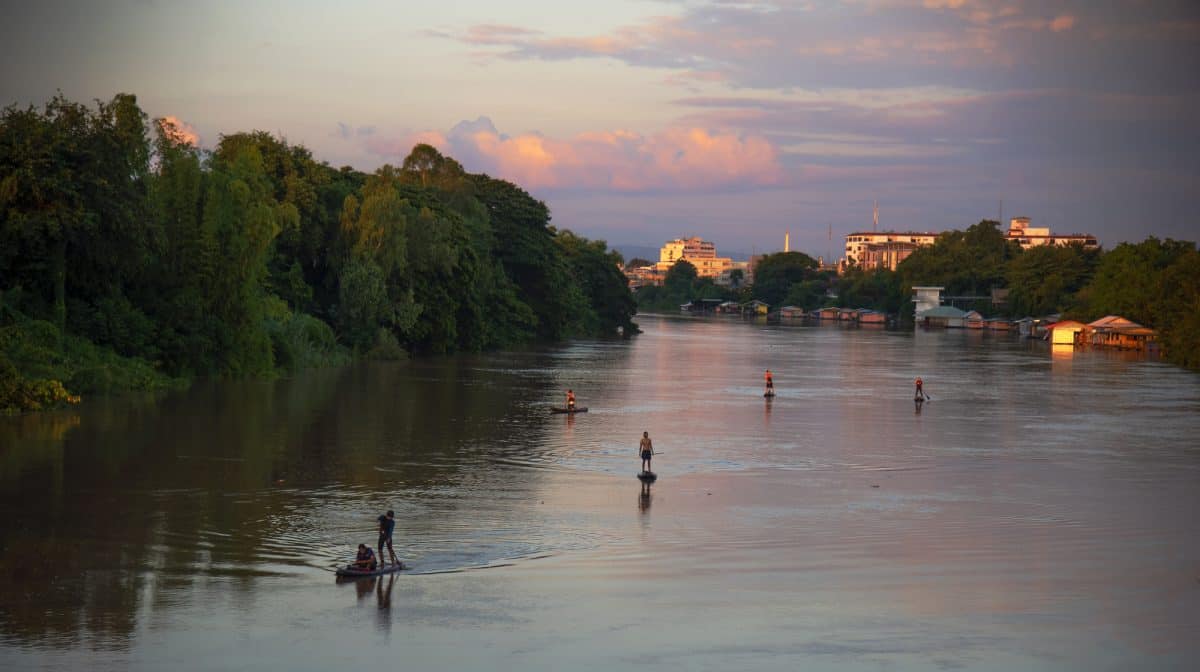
[{"x": 1040, "y": 512}]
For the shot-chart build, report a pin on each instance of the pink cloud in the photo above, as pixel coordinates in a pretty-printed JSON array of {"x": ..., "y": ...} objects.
[
  {"x": 1061, "y": 23},
  {"x": 179, "y": 131},
  {"x": 676, "y": 159}
]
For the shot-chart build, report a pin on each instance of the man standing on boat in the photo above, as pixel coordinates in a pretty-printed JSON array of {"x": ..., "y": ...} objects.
[
  {"x": 770, "y": 383},
  {"x": 920, "y": 392},
  {"x": 647, "y": 450},
  {"x": 570, "y": 400},
  {"x": 386, "y": 525}
]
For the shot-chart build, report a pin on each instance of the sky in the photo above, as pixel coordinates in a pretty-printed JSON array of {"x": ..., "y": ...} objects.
[{"x": 641, "y": 121}]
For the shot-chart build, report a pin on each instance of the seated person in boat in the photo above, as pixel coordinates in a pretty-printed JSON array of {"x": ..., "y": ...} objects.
[
  {"x": 365, "y": 559},
  {"x": 570, "y": 400}
]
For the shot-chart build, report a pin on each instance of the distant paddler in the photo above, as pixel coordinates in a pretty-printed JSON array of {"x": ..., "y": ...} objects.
[
  {"x": 646, "y": 448},
  {"x": 570, "y": 400},
  {"x": 770, "y": 381},
  {"x": 919, "y": 394}
]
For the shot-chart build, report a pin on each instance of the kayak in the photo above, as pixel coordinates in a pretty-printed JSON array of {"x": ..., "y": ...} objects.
[
  {"x": 350, "y": 571},
  {"x": 648, "y": 476},
  {"x": 577, "y": 409}
]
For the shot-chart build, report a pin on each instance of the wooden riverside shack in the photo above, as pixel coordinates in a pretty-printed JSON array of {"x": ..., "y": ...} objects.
[
  {"x": 1066, "y": 332},
  {"x": 1114, "y": 331}
]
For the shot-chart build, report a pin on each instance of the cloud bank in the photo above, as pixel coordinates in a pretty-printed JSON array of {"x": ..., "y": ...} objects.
[{"x": 674, "y": 159}]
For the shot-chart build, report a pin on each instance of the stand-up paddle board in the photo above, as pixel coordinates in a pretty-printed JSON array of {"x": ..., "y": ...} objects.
[
  {"x": 350, "y": 571},
  {"x": 578, "y": 409},
  {"x": 648, "y": 476}
]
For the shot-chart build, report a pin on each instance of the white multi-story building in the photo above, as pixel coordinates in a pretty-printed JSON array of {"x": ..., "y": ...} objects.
[
  {"x": 1027, "y": 236},
  {"x": 883, "y": 249}
]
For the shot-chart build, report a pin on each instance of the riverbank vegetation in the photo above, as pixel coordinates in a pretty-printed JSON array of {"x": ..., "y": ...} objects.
[
  {"x": 1155, "y": 283},
  {"x": 131, "y": 259}
]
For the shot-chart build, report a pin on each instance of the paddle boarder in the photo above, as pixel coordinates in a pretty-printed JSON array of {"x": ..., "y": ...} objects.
[
  {"x": 570, "y": 400},
  {"x": 770, "y": 383},
  {"x": 387, "y": 523},
  {"x": 920, "y": 392},
  {"x": 646, "y": 448},
  {"x": 365, "y": 560}
]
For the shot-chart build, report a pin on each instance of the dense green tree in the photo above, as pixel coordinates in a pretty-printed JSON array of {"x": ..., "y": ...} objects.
[
  {"x": 775, "y": 274},
  {"x": 524, "y": 243},
  {"x": 680, "y": 280},
  {"x": 72, "y": 184},
  {"x": 597, "y": 271},
  {"x": 1128, "y": 280},
  {"x": 236, "y": 262},
  {"x": 736, "y": 277},
  {"x": 970, "y": 262},
  {"x": 1177, "y": 310},
  {"x": 879, "y": 289},
  {"x": 1045, "y": 279}
]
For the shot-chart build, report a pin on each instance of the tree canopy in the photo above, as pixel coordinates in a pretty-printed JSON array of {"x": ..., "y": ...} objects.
[{"x": 255, "y": 258}]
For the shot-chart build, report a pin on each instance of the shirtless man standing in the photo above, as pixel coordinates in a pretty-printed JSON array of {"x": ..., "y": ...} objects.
[{"x": 647, "y": 450}]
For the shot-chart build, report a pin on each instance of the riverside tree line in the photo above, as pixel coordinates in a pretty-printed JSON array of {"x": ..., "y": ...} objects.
[
  {"x": 130, "y": 259},
  {"x": 1154, "y": 282}
]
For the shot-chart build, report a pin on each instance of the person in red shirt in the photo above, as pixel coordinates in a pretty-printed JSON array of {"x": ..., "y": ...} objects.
[
  {"x": 570, "y": 400},
  {"x": 920, "y": 393},
  {"x": 770, "y": 382}
]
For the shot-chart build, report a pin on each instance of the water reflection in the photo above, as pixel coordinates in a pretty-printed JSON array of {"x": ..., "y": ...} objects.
[{"x": 128, "y": 523}]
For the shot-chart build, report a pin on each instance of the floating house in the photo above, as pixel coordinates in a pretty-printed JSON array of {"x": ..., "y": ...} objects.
[
  {"x": 755, "y": 307},
  {"x": 871, "y": 317},
  {"x": 847, "y": 315},
  {"x": 828, "y": 313},
  {"x": 791, "y": 313},
  {"x": 944, "y": 317},
  {"x": 972, "y": 320},
  {"x": 729, "y": 308},
  {"x": 1114, "y": 331},
  {"x": 1066, "y": 332},
  {"x": 997, "y": 324}
]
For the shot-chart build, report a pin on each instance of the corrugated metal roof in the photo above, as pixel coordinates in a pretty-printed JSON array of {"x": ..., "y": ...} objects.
[{"x": 943, "y": 311}]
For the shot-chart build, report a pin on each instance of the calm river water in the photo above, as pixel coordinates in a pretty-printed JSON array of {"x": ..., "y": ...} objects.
[{"x": 1041, "y": 512}]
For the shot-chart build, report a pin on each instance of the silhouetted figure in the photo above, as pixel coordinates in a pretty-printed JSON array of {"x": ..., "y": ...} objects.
[
  {"x": 644, "y": 498},
  {"x": 387, "y": 524},
  {"x": 647, "y": 451},
  {"x": 920, "y": 391}
]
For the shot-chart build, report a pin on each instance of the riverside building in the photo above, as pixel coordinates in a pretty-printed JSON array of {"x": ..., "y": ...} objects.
[{"x": 1027, "y": 236}]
